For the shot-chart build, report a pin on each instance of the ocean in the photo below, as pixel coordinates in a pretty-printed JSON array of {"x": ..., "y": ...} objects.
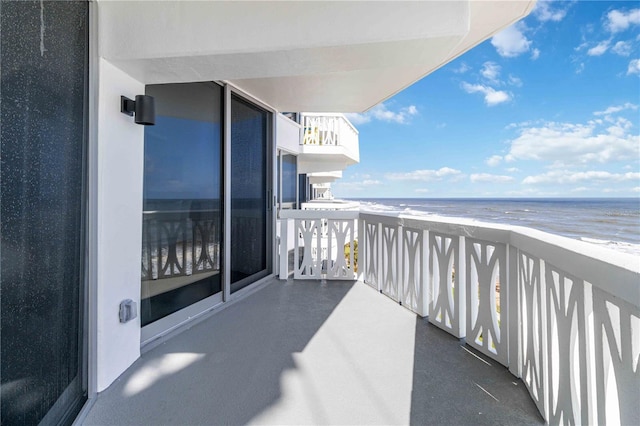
[{"x": 610, "y": 222}]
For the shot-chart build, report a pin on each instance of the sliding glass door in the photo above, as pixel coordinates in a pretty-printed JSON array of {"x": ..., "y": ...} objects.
[
  {"x": 182, "y": 219},
  {"x": 43, "y": 121},
  {"x": 251, "y": 202},
  {"x": 184, "y": 224}
]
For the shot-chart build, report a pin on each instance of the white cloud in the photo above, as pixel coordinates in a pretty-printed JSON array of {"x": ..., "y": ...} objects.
[
  {"x": 580, "y": 68},
  {"x": 422, "y": 190},
  {"x": 634, "y": 67},
  {"x": 635, "y": 189},
  {"x": 491, "y": 72},
  {"x": 381, "y": 113},
  {"x": 462, "y": 68},
  {"x": 357, "y": 185},
  {"x": 426, "y": 175},
  {"x": 597, "y": 141},
  {"x": 511, "y": 42},
  {"x": 491, "y": 96},
  {"x": 544, "y": 11},
  {"x": 494, "y": 160},
  {"x": 620, "y": 20},
  {"x": 535, "y": 54},
  {"x": 622, "y": 48},
  {"x": 571, "y": 177},
  {"x": 599, "y": 49},
  {"x": 515, "y": 81},
  {"x": 614, "y": 109},
  {"x": 513, "y": 169},
  {"x": 489, "y": 178}
]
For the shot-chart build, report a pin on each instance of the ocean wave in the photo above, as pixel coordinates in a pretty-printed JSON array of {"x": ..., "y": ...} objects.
[
  {"x": 615, "y": 245},
  {"x": 591, "y": 226}
]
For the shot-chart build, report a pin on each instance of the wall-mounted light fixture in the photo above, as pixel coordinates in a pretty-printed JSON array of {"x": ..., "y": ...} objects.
[{"x": 144, "y": 109}]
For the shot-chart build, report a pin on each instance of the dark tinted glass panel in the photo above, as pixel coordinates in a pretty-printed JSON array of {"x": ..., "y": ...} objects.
[
  {"x": 302, "y": 188},
  {"x": 43, "y": 57},
  {"x": 249, "y": 146},
  {"x": 182, "y": 220},
  {"x": 289, "y": 178}
]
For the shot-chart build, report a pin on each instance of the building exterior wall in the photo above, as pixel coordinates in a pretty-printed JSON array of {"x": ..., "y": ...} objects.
[{"x": 120, "y": 172}]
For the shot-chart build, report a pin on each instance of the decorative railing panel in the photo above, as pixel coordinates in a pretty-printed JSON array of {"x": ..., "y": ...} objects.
[
  {"x": 563, "y": 315},
  {"x": 530, "y": 327},
  {"x": 321, "y": 130},
  {"x": 308, "y": 264},
  {"x": 486, "y": 274},
  {"x": 413, "y": 294},
  {"x": 566, "y": 343},
  {"x": 179, "y": 243},
  {"x": 389, "y": 268},
  {"x": 320, "y": 242},
  {"x": 370, "y": 253},
  {"x": 326, "y": 129},
  {"x": 340, "y": 265},
  {"x": 617, "y": 333},
  {"x": 444, "y": 306}
]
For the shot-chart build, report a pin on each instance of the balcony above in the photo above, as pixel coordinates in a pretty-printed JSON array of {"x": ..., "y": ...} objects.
[
  {"x": 298, "y": 56},
  {"x": 329, "y": 144},
  {"x": 324, "y": 177}
]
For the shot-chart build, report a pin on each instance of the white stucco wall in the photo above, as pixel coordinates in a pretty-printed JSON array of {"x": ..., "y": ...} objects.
[
  {"x": 120, "y": 176},
  {"x": 287, "y": 134}
]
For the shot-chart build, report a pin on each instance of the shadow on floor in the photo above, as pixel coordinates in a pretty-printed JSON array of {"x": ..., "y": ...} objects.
[
  {"x": 455, "y": 385},
  {"x": 222, "y": 374},
  {"x": 277, "y": 357}
]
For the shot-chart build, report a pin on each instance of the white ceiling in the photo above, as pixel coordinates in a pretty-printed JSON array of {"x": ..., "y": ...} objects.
[{"x": 298, "y": 56}]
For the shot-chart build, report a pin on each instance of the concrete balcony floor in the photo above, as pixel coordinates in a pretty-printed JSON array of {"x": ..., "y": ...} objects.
[{"x": 310, "y": 352}]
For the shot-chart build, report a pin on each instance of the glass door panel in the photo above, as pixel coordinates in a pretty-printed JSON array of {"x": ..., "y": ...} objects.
[
  {"x": 182, "y": 219},
  {"x": 42, "y": 201},
  {"x": 249, "y": 200}
]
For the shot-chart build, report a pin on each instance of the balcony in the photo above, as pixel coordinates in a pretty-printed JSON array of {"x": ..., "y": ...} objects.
[
  {"x": 561, "y": 315},
  {"x": 451, "y": 322},
  {"x": 329, "y": 143},
  {"x": 311, "y": 352}
]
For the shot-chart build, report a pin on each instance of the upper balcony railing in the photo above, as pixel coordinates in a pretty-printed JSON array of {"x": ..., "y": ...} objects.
[
  {"x": 562, "y": 315},
  {"x": 329, "y": 130}
]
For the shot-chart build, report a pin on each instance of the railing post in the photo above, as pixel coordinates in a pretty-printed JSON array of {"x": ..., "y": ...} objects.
[
  {"x": 284, "y": 249},
  {"x": 400, "y": 269},
  {"x": 362, "y": 254},
  {"x": 421, "y": 271},
  {"x": 379, "y": 260},
  {"x": 512, "y": 312},
  {"x": 461, "y": 271},
  {"x": 545, "y": 342}
]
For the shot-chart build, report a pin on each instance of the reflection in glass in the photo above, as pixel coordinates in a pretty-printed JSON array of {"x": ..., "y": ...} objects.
[
  {"x": 42, "y": 141},
  {"x": 289, "y": 178},
  {"x": 249, "y": 147},
  {"x": 182, "y": 219}
]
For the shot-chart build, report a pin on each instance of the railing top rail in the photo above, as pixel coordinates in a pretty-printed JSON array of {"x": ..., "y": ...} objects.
[
  {"x": 329, "y": 205},
  {"x": 332, "y": 115},
  {"x": 320, "y": 214},
  {"x": 180, "y": 211},
  {"x": 614, "y": 272}
]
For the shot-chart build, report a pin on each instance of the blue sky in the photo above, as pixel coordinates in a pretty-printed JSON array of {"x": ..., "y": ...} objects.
[{"x": 549, "y": 107}]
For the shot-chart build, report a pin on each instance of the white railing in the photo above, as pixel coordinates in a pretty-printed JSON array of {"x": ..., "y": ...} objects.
[
  {"x": 319, "y": 239},
  {"x": 329, "y": 129},
  {"x": 561, "y": 314},
  {"x": 330, "y": 205}
]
